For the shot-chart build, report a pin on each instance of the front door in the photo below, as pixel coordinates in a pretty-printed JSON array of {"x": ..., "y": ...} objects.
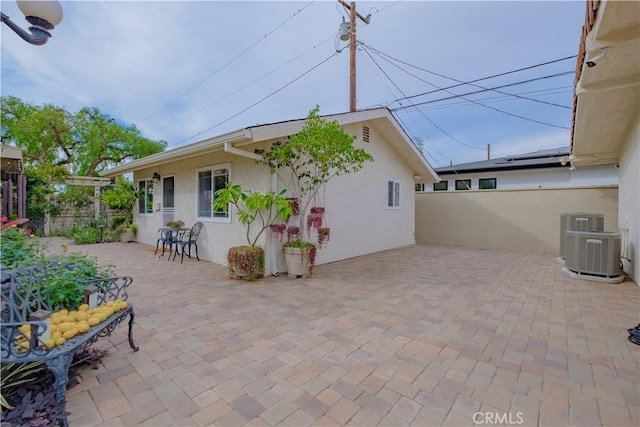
[{"x": 168, "y": 201}]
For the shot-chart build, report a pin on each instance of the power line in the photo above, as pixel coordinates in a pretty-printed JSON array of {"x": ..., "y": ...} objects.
[
  {"x": 227, "y": 64},
  {"x": 418, "y": 110},
  {"x": 247, "y": 85},
  {"x": 550, "y": 76},
  {"x": 473, "y": 101},
  {"x": 385, "y": 56},
  {"x": 481, "y": 79},
  {"x": 259, "y": 101}
]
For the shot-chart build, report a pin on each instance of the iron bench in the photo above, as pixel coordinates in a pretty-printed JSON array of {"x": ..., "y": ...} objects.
[{"x": 24, "y": 292}]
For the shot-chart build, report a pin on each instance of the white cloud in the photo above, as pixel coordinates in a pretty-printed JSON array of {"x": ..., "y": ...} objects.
[{"x": 132, "y": 59}]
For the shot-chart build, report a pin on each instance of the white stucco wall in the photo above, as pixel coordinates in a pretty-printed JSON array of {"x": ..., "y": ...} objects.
[
  {"x": 540, "y": 178},
  {"x": 217, "y": 236},
  {"x": 629, "y": 203},
  {"x": 356, "y": 205}
]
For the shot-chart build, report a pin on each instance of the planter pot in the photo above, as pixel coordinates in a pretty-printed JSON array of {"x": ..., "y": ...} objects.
[
  {"x": 246, "y": 262},
  {"x": 298, "y": 261},
  {"x": 126, "y": 235}
]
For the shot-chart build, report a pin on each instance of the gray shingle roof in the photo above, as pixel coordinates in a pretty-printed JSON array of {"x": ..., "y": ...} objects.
[{"x": 535, "y": 160}]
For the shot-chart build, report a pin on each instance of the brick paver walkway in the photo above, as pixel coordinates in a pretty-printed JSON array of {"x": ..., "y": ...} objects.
[{"x": 422, "y": 336}]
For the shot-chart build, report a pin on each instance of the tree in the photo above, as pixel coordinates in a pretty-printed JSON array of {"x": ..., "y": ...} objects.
[
  {"x": 83, "y": 143},
  {"x": 309, "y": 159}
]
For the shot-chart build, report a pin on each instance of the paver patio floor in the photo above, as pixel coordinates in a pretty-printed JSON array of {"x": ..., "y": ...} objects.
[{"x": 423, "y": 336}]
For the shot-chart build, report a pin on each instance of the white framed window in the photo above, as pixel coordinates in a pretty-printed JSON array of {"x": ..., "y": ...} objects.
[
  {"x": 208, "y": 181},
  {"x": 145, "y": 198},
  {"x": 393, "y": 194}
]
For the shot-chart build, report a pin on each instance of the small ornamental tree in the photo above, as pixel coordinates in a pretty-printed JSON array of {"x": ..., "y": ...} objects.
[
  {"x": 309, "y": 159},
  {"x": 253, "y": 209}
]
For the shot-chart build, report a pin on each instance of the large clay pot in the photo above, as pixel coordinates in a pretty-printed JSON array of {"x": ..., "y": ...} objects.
[{"x": 126, "y": 235}]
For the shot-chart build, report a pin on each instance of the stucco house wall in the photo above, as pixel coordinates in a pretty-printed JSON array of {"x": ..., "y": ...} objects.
[
  {"x": 629, "y": 202},
  {"x": 538, "y": 178},
  {"x": 356, "y": 204}
]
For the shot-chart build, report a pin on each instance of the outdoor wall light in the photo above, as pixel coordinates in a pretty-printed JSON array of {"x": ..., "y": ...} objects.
[
  {"x": 43, "y": 15},
  {"x": 156, "y": 176}
]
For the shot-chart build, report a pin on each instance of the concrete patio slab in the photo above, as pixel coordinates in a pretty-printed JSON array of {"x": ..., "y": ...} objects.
[{"x": 423, "y": 335}]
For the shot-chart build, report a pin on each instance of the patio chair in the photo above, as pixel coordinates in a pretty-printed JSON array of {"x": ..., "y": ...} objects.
[
  {"x": 166, "y": 236},
  {"x": 186, "y": 240}
]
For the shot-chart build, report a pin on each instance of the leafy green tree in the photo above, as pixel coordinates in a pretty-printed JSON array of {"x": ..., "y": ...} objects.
[
  {"x": 309, "y": 159},
  {"x": 83, "y": 143}
]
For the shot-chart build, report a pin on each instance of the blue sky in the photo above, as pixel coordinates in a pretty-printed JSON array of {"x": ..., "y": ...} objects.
[{"x": 184, "y": 71}]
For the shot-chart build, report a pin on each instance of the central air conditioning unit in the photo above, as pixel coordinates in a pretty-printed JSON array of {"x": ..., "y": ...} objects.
[
  {"x": 579, "y": 221},
  {"x": 593, "y": 253}
]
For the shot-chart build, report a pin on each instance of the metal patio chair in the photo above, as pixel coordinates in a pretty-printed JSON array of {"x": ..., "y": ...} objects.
[{"x": 186, "y": 240}]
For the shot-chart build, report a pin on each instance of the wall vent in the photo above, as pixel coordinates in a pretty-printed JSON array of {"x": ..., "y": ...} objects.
[
  {"x": 365, "y": 133},
  {"x": 579, "y": 221},
  {"x": 593, "y": 253}
]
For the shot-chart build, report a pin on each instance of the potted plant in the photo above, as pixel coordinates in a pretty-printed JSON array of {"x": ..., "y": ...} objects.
[
  {"x": 123, "y": 196},
  {"x": 253, "y": 209},
  {"x": 305, "y": 163}
]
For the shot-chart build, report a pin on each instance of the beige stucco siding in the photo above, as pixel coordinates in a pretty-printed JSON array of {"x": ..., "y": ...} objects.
[
  {"x": 510, "y": 220},
  {"x": 356, "y": 204},
  {"x": 629, "y": 202},
  {"x": 217, "y": 236}
]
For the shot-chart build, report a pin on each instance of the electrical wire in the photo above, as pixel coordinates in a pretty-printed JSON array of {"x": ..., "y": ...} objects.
[
  {"x": 473, "y": 101},
  {"x": 550, "y": 76},
  {"x": 388, "y": 57},
  {"x": 227, "y": 64},
  {"x": 247, "y": 85},
  {"x": 257, "y": 102}
]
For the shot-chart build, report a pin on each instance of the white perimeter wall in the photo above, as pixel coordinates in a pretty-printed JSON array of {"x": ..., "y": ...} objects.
[{"x": 509, "y": 220}]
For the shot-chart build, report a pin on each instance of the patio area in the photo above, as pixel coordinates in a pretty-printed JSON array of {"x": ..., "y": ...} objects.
[{"x": 424, "y": 336}]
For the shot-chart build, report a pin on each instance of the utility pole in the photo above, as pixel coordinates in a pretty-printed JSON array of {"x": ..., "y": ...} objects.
[{"x": 352, "y": 49}]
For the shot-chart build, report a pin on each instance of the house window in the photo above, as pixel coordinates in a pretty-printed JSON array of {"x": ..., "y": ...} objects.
[
  {"x": 393, "y": 194},
  {"x": 463, "y": 184},
  {"x": 487, "y": 184},
  {"x": 210, "y": 181},
  {"x": 419, "y": 187},
  {"x": 145, "y": 199},
  {"x": 441, "y": 186}
]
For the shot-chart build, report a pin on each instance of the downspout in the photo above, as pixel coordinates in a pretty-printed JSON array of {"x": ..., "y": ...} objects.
[{"x": 273, "y": 244}]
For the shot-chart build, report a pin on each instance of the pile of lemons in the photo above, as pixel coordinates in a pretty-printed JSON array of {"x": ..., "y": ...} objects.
[{"x": 67, "y": 324}]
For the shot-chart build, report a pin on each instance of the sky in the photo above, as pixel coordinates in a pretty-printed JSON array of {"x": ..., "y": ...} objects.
[{"x": 184, "y": 71}]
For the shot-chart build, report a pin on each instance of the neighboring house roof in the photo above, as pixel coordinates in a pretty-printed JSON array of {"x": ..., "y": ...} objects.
[
  {"x": 607, "y": 89},
  {"x": 550, "y": 158},
  {"x": 380, "y": 118}
]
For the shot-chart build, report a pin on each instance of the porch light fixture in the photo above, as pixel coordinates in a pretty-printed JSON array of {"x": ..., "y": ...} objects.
[
  {"x": 43, "y": 15},
  {"x": 156, "y": 176}
]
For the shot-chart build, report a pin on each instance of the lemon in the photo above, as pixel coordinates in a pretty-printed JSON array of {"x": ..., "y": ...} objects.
[
  {"x": 55, "y": 335},
  {"x": 84, "y": 307},
  {"x": 70, "y": 333},
  {"x": 82, "y": 315},
  {"x": 61, "y": 341},
  {"x": 50, "y": 343},
  {"x": 83, "y": 327},
  {"x": 93, "y": 321}
]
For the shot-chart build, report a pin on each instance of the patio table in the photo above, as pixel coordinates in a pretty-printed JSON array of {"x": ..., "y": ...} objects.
[{"x": 168, "y": 235}]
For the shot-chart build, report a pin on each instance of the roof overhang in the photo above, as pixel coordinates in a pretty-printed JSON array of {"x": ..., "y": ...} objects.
[
  {"x": 192, "y": 150},
  {"x": 381, "y": 119},
  {"x": 607, "y": 93}
]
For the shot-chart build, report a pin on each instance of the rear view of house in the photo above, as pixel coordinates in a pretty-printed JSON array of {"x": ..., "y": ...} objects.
[{"x": 369, "y": 211}]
